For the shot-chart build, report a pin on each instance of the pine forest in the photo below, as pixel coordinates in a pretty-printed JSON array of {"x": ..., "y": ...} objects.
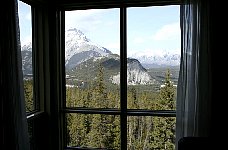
[{"x": 103, "y": 130}]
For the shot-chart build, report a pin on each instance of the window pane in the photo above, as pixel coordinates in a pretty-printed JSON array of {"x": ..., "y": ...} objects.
[
  {"x": 153, "y": 49},
  {"x": 92, "y": 61},
  {"x": 26, "y": 53},
  {"x": 145, "y": 132},
  {"x": 93, "y": 131}
]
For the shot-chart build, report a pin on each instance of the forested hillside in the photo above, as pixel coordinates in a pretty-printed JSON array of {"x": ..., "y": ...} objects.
[{"x": 103, "y": 131}]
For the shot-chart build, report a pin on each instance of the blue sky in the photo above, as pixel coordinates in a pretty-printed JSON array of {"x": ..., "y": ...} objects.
[
  {"x": 24, "y": 11},
  {"x": 149, "y": 29}
]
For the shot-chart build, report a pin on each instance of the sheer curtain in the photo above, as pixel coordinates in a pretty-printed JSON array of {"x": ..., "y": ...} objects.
[
  {"x": 14, "y": 131},
  {"x": 194, "y": 85}
]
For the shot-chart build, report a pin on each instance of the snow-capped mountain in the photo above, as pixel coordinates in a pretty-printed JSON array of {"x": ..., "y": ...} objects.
[
  {"x": 161, "y": 59},
  {"x": 26, "y": 54},
  {"x": 78, "y": 48},
  {"x": 83, "y": 56}
]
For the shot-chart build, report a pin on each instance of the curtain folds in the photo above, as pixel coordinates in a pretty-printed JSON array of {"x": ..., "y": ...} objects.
[
  {"x": 14, "y": 131},
  {"x": 194, "y": 84}
]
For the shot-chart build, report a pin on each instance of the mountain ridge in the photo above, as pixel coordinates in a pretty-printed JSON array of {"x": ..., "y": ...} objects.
[{"x": 82, "y": 57}]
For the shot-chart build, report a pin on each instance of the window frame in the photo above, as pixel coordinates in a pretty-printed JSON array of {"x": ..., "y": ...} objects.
[
  {"x": 34, "y": 89},
  {"x": 39, "y": 58},
  {"x": 37, "y": 118},
  {"x": 123, "y": 111}
]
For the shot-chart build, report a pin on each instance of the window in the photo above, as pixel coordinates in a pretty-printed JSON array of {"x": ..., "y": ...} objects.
[
  {"x": 33, "y": 59},
  {"x": 27, "y": 52},
  {"x": 129, "y": 120},
  {"x": 25, "y": 23},
  {"x": 111, "y": 100}
]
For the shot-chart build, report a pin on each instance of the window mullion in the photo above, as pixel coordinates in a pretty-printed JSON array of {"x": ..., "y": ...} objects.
[
  {"x": 123, "y": 77},
  {"x": 62, "y": 103}
]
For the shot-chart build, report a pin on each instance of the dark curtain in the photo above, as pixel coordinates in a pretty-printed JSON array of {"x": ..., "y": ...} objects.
[
  {"x": 194, "y": 85},
  {"x": 14, "y": 131}
]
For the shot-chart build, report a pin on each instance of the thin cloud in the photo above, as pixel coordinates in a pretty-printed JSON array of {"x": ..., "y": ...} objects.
[
  {"x": 28, "y": 16},
  {"x": 147, "y": 52},
  {"x": 111, "y": 23},
  {"x": 26, "y": 40},
  {"x": 114, "y": 47},
  {"x": 84, "y": 19},
  {"x": 167, "y": 32},
  {"x": 138, "y": 40}
]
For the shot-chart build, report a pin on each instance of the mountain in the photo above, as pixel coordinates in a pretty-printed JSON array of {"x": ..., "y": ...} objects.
[
  {"x": 79, "y": 48},
  {"x": 82, "y": 58},
  {"x": 26, "y": 54},
  {"x": 158, "y": 60},
  {"x": 136, "y": 74}
]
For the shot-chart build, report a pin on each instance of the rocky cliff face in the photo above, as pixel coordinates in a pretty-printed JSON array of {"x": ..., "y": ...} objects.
[{"x": 136, "y": 74}]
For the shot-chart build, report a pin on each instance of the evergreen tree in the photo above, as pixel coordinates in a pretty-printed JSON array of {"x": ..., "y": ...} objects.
[
  {"x": 163, "y": 127},
  {"x": 28, "y": 91},
  {"x": 102, "y": 128},
  {"x": 167, "y": 93},
  {"x": 103, "y": 131},
  {"x": 99, "y": 92}
]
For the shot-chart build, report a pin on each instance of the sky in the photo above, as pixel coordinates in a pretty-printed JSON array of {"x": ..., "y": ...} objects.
[
  {"x": 25, "y": 23},
  {"x": 150, "y": 30}
]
